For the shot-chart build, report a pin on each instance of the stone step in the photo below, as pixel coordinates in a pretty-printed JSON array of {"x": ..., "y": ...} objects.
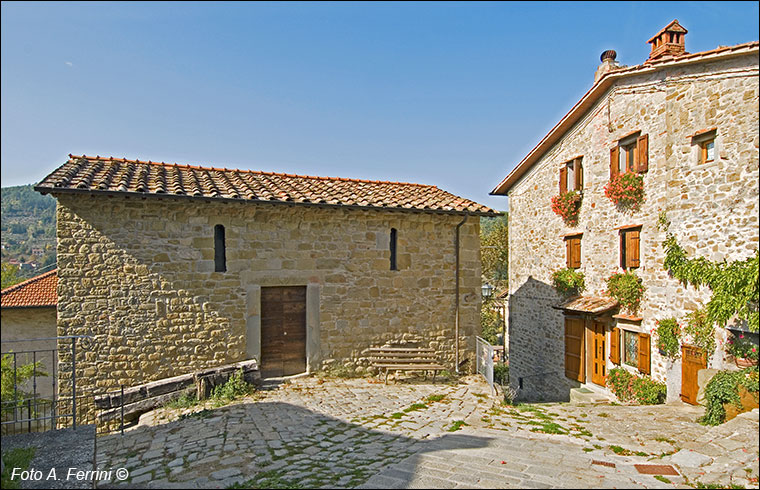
[{"x": 584, "y": 395}]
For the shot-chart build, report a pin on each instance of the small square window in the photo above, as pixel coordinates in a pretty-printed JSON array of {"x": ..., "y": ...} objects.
[{"x": 707, "y": 151}]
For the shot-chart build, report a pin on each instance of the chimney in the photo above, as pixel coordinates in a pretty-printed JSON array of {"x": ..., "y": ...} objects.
[
  {"x": 608, "y": 64},
  {"x": 670, "y": 41}
]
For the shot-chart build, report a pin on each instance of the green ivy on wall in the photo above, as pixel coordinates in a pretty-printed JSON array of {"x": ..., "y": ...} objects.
[{"x": 734, "y": 285}]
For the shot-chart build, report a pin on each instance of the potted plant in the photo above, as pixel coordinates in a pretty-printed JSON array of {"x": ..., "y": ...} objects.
[
  {"x": 567, "y": 206},
  {"x": 569, "y": 282},
  {"x": 627, "y": 289},
  {"x": 626, "y": 191},
  {"x": 743, "y": 351}
]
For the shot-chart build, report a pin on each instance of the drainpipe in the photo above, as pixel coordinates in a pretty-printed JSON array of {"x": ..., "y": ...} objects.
[{"x": 456, "y": 288}]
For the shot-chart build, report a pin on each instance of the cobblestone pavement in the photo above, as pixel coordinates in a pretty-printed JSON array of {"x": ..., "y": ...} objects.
[{"x": 314, "y": 433}]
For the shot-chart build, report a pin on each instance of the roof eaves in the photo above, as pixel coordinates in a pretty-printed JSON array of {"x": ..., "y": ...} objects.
[{"x": 111, "y": 193}]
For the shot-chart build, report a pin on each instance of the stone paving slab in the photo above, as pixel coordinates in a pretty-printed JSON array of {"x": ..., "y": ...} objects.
[{"x": 359, "y": 433}]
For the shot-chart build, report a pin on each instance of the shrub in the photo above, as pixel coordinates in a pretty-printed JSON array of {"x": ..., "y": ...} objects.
[
  {"x": 669, "y": 337},
  {"x": 723, "y": 388},
  {"x": 742, "y": 348},
  {"x": 235, "y": 387},
  {"x": 501, "y": 373},
  {"x": 626, "y": 287},
  {"x": 633, "y": 389},
  {"x": 626, "y": 191},
  {"x": 568, "y": 281},
  {"x": 567, "y": 206}
]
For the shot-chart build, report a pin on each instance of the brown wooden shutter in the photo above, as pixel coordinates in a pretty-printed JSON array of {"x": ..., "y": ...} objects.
[
  {"x": 574, "y": 359},
  {"x": 575, "y": 253},
  {"x": 622, "y": 249},
  {"x": 643, "y": 147},
  {"x": 644, "y": 356},
  {"x": 614, "y": 162},
  {"x": 615, "y": 346},
  {"x": 578, "y": 174},
  {"x": 568, "y": 253},
  {"x": 631, "y": 248},
  {"x": 563, "y": 179}
]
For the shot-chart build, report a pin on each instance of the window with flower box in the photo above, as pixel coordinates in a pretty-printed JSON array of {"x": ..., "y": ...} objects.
[
  {"x": 631, "y": 154},
  {"x": 631, "y": 348},
  {"x": 571, "y": 175}
]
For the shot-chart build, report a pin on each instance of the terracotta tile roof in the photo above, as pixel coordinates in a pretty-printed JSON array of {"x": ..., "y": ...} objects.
[
  {"x": 589, "y": 304},
  {"x": 35, "y": 292},
  {"x": 136, "y": 177},
  {"x": 600, "y": 88}
]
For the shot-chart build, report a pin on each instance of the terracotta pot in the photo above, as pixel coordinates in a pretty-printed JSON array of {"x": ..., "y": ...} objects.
[{"x": 743, "y": 362}]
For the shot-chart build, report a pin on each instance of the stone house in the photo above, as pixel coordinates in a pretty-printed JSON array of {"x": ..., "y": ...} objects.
[
  {"x": 688, "y": 124},
  {"x": 28, "y": 313},
  {"x": 174, "y": 268}
]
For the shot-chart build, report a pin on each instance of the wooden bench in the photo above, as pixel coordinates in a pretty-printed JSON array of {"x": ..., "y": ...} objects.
[{"x": 404, "y": 359}]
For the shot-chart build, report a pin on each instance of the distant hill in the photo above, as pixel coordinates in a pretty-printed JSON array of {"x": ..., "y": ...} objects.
[{"x": 27, "y": 223}]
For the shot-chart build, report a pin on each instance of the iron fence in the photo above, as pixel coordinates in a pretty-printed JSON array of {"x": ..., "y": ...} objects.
[{"x": 32, "y": 400}]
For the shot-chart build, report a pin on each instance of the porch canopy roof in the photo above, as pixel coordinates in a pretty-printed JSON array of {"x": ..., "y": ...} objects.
[{"x": 589, "y": 304}]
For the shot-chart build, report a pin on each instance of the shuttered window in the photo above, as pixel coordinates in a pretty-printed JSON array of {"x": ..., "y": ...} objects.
[
  {"x": 630, "y": 249},
  {"x": 615, "y": 346},
  {"x": 573, "y": 252},
  {"x": 578, "y": 165},
  {"x": 645, "y": 358},
  {"x": 563, "y": 179},
  {"x": 642, "y": 165},
  {"x": 630, "y": 154}
]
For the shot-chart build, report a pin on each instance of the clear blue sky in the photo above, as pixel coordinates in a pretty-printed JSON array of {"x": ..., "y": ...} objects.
[{"x": 449, "y": 94}]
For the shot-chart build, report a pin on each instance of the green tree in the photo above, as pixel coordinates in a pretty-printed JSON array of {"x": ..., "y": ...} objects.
[
  {"x": 494, "y": 253},
  {"x": 9, "y": 275}
]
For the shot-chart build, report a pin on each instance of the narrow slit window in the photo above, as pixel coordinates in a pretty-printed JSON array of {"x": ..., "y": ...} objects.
[
  {"x": 220, "y": 254},
  {"x": 394, "y": 246}
]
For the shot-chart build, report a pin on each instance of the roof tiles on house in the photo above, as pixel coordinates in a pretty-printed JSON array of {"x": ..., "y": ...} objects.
[
  {"x": 589, "y": 304},
  {"x": 38, "y": 291},
  {"x": 147, "y": 178}
]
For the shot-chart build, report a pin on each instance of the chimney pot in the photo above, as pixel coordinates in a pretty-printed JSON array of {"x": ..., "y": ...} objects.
[{"x": 608, "y": 55}]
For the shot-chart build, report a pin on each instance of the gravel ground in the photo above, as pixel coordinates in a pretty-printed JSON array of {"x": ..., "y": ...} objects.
[{"x": 60, "y": 449}]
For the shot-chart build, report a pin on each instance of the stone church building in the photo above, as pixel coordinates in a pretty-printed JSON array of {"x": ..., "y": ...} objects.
[
  {"x": 175, "y": 268},
  {"x": 688, "y": 124}
]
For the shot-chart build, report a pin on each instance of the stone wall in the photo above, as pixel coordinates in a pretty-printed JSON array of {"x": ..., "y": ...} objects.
[
  {"x": 32, "y": 323},
  {"x": 713, "y": 207},
  {"x": 138, "y": 275}
]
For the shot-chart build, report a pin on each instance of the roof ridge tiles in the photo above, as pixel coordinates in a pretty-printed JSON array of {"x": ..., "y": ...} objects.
[{"x": 261, "y": 172}]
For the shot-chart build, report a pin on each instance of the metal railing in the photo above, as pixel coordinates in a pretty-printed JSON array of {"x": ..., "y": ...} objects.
[
  {"x": 31, "y": 397},
  {"x": 484, "y": 360}
]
